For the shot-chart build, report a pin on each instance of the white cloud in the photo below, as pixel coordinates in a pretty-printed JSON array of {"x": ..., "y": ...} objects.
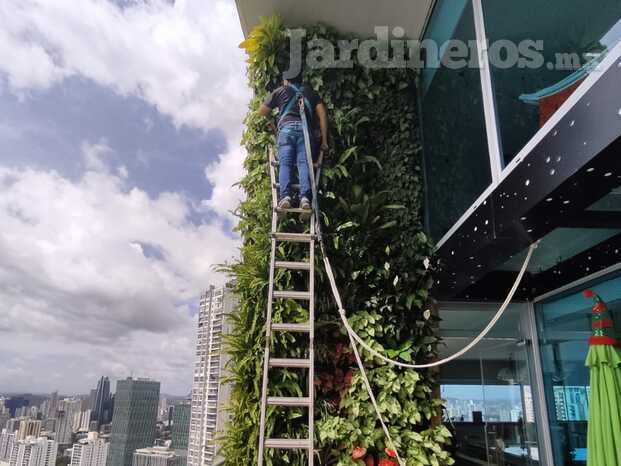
[
  {"x": 73, "y": 281},
  {"x": 182, "y": 57},
  {"x": 94, "y": 154},
  {"x": 223, "y": 175}
]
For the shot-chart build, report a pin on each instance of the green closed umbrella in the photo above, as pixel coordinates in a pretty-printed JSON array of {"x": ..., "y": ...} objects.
[{"x": 604, "y": 362}]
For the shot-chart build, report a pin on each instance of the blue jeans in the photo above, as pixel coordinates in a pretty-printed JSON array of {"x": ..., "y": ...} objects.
[{"x": 292, "y": 151}]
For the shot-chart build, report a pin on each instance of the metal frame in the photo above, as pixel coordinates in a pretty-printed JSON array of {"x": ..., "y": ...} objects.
[
  {"x": 487, "y": 88},
  {"x": 576, "y": 283},
  {"x": 546, "y": 456}
]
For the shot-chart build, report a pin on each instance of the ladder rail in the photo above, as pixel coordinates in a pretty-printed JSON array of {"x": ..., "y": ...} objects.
[
  {"x": 311, "y": 344},
  {"x": 268, "y": 317}
]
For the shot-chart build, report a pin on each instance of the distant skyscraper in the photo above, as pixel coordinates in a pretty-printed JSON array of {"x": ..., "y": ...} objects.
[
  {"x": 82, "y": 421},
  {"x": 15, "y": 403},
  {"x": 64, "y": 427},
  {"x": 134, "y": 420},
  {"x": 4, "y": 418},
  {"x": 34, "y": 452},
  {"x": 91, "y": 451},
  {"x": 181, "y": 430},
  {"x": 12, "y": 424},
  {"x": 7, "y": 440},
  {"x": 208, "y": 396},
  {"x": 52, "y": 405},
  {"x": 28, "y": 428},
  {"x": 155, "y": 456},
  {"x": 102, "y": 398}
]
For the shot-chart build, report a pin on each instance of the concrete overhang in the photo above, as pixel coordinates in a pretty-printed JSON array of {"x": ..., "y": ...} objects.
[{"x": 359, "y": 17}]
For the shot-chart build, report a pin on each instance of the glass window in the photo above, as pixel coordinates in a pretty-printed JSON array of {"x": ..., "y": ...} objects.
[
  {"x": 456, "y": 156},
  {"x": 531, "y": 81},
  {"x": 488, "y": 394},
  {"x": 564, "y": 326}
]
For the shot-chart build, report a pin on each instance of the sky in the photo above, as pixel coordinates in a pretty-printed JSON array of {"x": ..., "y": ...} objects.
[{"x": 120, "y": 124}]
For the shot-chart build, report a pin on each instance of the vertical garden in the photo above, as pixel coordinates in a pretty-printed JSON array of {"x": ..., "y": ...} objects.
[{"x": 371, "y": 198}]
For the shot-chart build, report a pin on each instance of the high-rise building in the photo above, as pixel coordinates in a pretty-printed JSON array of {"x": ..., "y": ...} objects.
[
  {"x": 134, "y": 420},
  {"x": 34, "y": 452},
  {"x": 155, "y": 456},
  {"x": 4, "y": 418},
  {"x": 208, "y": 418},
  {"x": 7, "y": 440},
  {"x": 28, "y": 428},
  {"x": 102, "y": 398},
  {"x": 91, "y": 451},
  {"x": 181, "y": 430},
  {"x": 12, "y": 424},
  {"x": 64, "y": 427},
  {"x": 15, "y": 403},
  {"x": 81, "y": 421},
  {"x": 52, "y": 405}
]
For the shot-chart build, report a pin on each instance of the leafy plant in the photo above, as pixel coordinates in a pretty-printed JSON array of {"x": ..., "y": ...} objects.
[{"x": 371, "y": 200}]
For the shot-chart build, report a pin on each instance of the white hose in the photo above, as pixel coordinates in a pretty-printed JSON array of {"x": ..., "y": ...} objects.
[{"x": 464, "y": 350}]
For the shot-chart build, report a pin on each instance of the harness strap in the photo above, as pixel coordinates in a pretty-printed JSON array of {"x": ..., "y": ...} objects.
[{"x": 291, "y": 104}]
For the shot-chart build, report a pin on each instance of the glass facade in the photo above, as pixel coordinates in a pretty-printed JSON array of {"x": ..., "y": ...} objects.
[
  {"x": 488, "y": 393},
  {"x": 564, "y": 326},
  {"x": 456, "y": 157},
  {"x": 538, "y": 54},
  {"x": 532, "y": 80}
]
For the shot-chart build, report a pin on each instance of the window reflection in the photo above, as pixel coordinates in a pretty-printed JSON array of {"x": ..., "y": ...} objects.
[
  {"x": 455, "y": 144},
  {"x": 574, "y": 36},
  {"x": 564, "y": 326},
  {"x": 487, "y": 392}
]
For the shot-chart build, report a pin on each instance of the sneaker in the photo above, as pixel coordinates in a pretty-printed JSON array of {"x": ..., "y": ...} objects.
[
  {"x": 284, "y": 203},
  {"x": 305, "y": 204}
]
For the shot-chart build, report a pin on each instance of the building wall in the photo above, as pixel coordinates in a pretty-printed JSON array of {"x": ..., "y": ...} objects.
[
  {"x": 34, "y": 452},
  {"x": 7, "y": 439},
  {"x": 157, "y": 456},
  {"x": 90, "y": 453},
  {"x": 209, "y": 398},
  {"x": 134, "y": 420},
  {"x": 181, "y": 425}
]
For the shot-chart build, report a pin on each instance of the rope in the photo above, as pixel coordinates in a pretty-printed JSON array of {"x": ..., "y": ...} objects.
[{"x": 354, "y": 337}]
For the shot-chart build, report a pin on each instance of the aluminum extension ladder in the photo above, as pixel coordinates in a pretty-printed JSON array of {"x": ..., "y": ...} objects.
[{"x": 307, "y": 328}]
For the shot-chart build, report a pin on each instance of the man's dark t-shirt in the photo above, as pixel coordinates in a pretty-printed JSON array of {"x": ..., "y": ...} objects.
[{"x": 281, "y": 97}]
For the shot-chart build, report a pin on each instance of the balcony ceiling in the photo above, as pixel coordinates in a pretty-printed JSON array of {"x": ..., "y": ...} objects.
[{"x": 348, "y": 16}]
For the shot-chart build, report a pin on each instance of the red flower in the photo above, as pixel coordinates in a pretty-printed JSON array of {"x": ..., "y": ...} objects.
[
  {"x": 588, "y": 293},
  {"x": 390, "y": 452},
  {"x": 358, "y": 453},
  {"x": 387, "y": 462}
]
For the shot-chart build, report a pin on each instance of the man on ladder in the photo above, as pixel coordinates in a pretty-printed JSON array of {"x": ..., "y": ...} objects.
[{"x": 291, "y": 147}]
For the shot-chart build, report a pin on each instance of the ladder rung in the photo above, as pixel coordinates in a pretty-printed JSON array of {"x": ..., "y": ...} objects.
[
  {"x": 292, "y": 186},
  {"x": 285, "y": 362},
  {"x": 293, "y": 210},
  {"x": 288, "y": 294},
  {"x": 282, "y": 327},
  {"x": 292, "y": 265},
  {"x": 287, "y": 443},
  {"x": 288, "y": 401},
  {"x": 294, "y": 237}
]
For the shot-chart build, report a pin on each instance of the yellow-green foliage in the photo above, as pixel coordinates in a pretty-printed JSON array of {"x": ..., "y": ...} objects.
[{"x": 371, "y": 198}]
